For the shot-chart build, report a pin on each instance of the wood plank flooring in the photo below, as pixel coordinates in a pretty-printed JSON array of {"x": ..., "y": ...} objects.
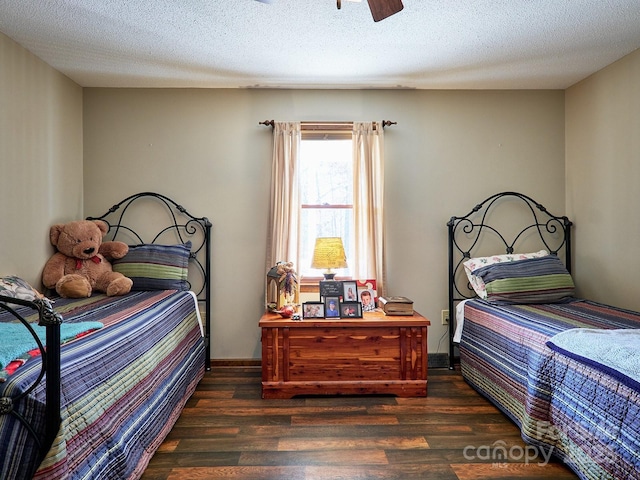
[{"x": 228, "y": 432}]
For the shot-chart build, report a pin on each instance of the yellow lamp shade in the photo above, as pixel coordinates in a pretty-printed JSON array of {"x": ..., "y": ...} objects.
[{"x": 329, "y": 253}]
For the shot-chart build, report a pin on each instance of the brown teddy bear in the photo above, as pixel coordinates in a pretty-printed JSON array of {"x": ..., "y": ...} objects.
[{"x": 81, "y": 264}]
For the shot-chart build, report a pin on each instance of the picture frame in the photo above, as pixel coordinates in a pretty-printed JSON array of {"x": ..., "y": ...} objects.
[
  {"x": 332, "y": 307},
  {"x": 367, "y": 300},
  {"x": 313, "y": 310},
  {"x": 367, "y": 294},
  {"x": 330, "y": 288},
  {"x": 350, "y": 310},
  {"x": 349, "y": 291}
]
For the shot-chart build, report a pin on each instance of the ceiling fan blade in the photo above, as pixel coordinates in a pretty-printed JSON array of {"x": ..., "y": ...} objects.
[{"x": 381, "y": 9}]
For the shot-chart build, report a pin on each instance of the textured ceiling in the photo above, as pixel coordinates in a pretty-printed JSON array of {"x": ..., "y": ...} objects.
[{"x": 443, "y": 44}]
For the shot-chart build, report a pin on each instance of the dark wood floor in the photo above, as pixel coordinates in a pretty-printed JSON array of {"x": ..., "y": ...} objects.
[{"x": 227, "y": 431}]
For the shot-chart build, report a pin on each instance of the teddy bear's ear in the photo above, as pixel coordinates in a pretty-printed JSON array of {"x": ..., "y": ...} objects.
[
  {"x": 104, "y": 228},
  {"x": 54, "y": 234}
]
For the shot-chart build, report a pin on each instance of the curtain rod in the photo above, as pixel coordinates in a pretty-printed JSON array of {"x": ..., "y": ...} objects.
[{"x": 271, "y": 123}]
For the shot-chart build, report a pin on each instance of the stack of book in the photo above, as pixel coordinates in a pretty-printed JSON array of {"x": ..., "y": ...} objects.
[{"x": 396, "y": 305}]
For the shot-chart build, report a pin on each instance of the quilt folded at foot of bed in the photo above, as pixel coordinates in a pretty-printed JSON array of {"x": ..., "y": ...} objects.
[
  {"x": 587, "y": 417},
  {"x": 123, "y": 387},
  {"x": 615, "y": 352}
]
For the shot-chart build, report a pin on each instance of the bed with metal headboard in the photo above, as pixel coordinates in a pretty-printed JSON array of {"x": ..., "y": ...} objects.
[
  {"x": 505, "y": 223},
  {"x": 563, "y": 368},
  {"x": 134, "y": 221},
  {"x": 116, "y": 371}
]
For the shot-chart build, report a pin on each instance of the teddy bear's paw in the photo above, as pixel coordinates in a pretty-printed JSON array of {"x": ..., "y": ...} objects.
[
  {"x": 73, "y": 286},
  {"x": 113, "y": 249},
  {"x": 119, "y": 286}
]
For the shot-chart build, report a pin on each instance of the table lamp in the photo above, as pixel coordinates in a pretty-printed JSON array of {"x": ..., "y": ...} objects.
[{"x": 327, "y": 254}]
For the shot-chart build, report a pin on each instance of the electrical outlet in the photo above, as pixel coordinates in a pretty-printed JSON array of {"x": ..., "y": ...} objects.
[{"x": 445, "y": 317}]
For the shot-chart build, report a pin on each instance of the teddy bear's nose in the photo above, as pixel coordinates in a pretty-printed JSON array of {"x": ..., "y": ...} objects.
[{"x": 89, "y": 251}]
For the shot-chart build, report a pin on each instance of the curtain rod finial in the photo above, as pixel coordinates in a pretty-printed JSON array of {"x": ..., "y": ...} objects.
[
  {"x": 268, "y": 123},
  {"x": 387, "y": 123}
]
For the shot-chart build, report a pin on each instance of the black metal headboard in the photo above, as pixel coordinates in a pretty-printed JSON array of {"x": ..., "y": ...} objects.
[
  {"x": 145, "y": 210},
  {"x": 507, "y": 222}
]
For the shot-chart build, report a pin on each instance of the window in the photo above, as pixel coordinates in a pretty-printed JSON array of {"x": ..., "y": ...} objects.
[
  {"x": 326, "y": 195},
  {"x": 327, "y": 179}
]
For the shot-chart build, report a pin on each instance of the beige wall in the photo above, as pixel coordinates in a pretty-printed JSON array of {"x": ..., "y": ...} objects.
[
  {"x": 40, "y": 158},
  {"x": 603, "y": 181},
  {"x": 449, "y": 150}
]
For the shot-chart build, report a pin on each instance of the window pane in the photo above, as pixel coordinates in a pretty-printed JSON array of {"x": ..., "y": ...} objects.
[
  {"x": 326, "y": 178},
  {"x": 326, "y": 172},
  {"x": 325, "y": 222}
]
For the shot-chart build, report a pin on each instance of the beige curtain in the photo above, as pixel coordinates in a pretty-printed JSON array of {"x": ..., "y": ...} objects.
[
  {"x": 368, "y": 173},
  {"x": 285, "y": 205}
]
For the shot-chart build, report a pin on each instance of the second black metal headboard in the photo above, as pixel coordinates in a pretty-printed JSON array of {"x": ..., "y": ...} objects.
[
  {"x": 179, "y": 225},
  {"x": 525, "y": 222}
]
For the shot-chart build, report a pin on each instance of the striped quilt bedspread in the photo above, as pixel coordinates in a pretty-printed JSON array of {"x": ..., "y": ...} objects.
[
  {"x": 588, "y": 418},
  {"x": 123, "y": 387}
]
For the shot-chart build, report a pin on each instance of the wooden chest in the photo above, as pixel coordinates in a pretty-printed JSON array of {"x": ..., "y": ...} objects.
[{"x": 376, "y": 354}]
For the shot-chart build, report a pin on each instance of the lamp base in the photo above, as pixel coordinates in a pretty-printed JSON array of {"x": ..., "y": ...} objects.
[{"x": 329, "y": 276}]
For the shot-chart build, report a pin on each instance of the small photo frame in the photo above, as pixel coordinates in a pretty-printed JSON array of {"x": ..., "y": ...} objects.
[
  {"x": 350, "y": 310},
  {"x": 330, "y": 288},
  {"x": 313, "y": 310},
  {"x": 349, "y": 292},
  {"x": 367, "y": 299},
  {"x": 332, "y": 307},
  {"x": 367, "y": 294}
]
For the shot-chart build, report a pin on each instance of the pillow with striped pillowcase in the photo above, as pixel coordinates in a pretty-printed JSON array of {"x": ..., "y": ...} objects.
[
  {"x": 476, "y": 263},
  {"x": 533, "y": 280},
  {"x": 156, "y": 267}
]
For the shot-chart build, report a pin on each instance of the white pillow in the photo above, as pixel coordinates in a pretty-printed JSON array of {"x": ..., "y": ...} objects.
[{"x": 473, "y": 264}]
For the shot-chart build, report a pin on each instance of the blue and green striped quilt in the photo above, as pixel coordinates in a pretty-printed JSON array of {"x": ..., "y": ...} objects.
[
  {"x": 123, "y": 387},
  {"x": 583, "y": 415}
]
